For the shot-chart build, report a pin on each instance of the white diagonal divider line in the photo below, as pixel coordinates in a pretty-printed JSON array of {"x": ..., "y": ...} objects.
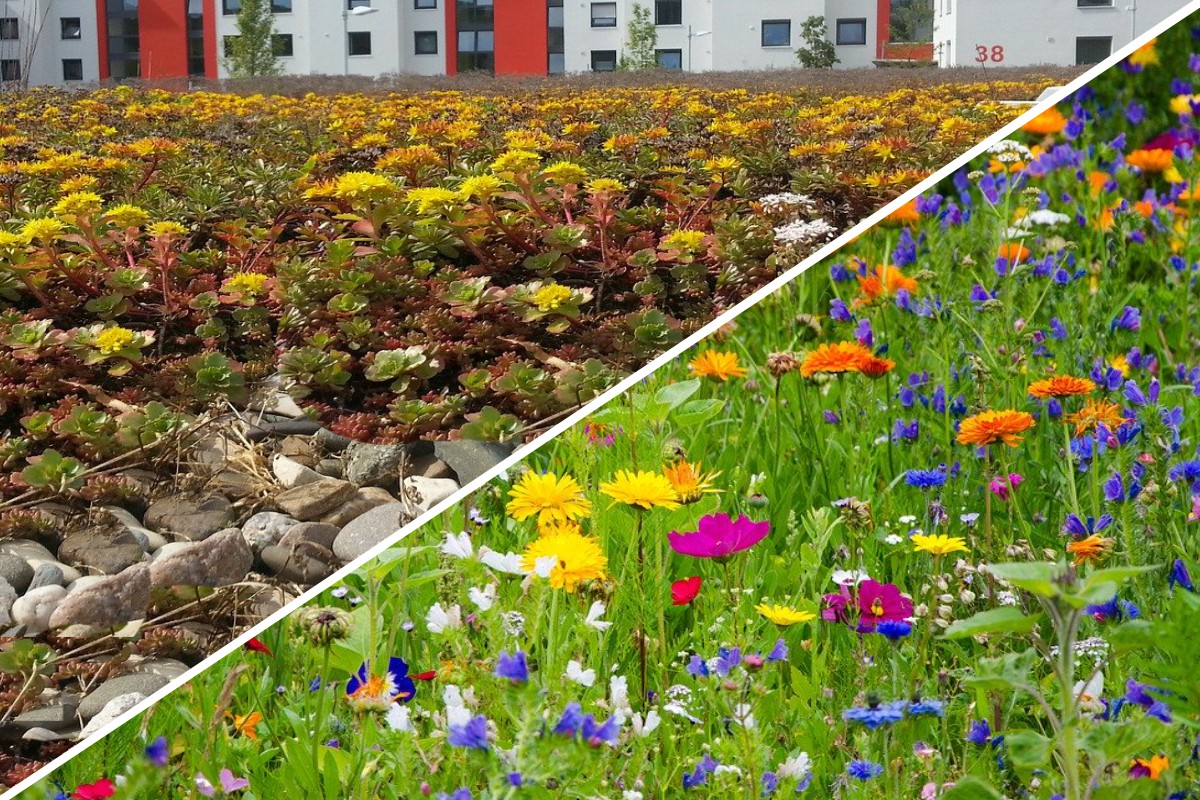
[{"x": 620, "y": 388}]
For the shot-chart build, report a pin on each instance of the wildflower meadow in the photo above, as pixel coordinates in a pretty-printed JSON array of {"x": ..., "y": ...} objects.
[{"x": 922, "y": 525}]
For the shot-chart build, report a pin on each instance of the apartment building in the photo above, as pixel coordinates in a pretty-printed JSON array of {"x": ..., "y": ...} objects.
[{"x": 1019, "y": 33}]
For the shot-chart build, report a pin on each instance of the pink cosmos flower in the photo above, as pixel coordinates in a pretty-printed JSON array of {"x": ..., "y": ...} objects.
[
  {"x": 872, "y": 603},
  {"x": 719, "y": 536},
  {"x": 1004, "y": 487}
]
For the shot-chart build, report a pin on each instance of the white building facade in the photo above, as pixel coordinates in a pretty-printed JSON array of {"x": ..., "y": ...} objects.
[
  {"x": 48, "y": 42},
  {"x": 1021, "y": 33}
]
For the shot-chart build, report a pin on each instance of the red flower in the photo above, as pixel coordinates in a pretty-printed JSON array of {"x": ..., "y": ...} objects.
[
  {"x": 424, "y": 676},
  {"x": 684, "y": 592},
  {"x": 95, "y": 791},
  {"x": 256, "y": 646}
]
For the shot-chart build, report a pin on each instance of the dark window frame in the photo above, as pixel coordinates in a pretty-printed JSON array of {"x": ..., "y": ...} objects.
[
  {"x": 668, "y": 12},
  {"x": 10, "y": 29},
  {"x": 767, "y": 22},
  {"x": 10, "y": 70},
  {"x": 74, "y": 63},
  {"x": 418, "y": 36},
  {"x": 281, "y": 6},
  {"x": 278, "y": 42},
  {"x": 840, "y": 41},
  {"x": 1094, "y": 4},
  {"x": 231, "y": 8},
  {"x": 604, "y": 22},
  {"x": 424, "y": 5},
  {"x": 1080, "y": 40},
  {"x": 64, "y": 25},
  {"x": 601, "y": 56},
  {"x": 661, "y": 51},
  {"x": 354, "y": 42}
]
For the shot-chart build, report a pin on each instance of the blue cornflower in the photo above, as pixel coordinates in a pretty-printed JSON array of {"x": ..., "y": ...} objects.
[
  {"x": 863, "y": 770},
  {"x": 1179, "y": 576},
  {"x": 980, "y": 733},
  {"x": 893, "y": 630},
  {"x": 1188, "y": 471},
  {"x": 513, "y": 668},
  {"x": 1079, "y": 528},
  {"x": 473, "y": 734},
  {"x": 699, "y": 776},
  {"x": 157, "y": 752},
  {"x": 927, "y": 708},
  {"x": 926, "y": 479},
  {"x": 876, "y": 715}
]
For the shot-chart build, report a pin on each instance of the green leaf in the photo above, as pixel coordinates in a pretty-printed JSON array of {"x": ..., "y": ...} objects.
[
  {"x": 696, "y": 412},
  {"x": 1116, "y": 743},
  {"x": 1116, "y": 575},
  {"x": 1035, "y": 578},
  {"x": 971, "y": 788},
  {"x": 674, "y": 394},
  {"x": 1132, "y": 635},
  {"x": 1028, "y": 749},
  {"x": 1007, "y": 619},
  {"x": 1009, "y": 671}
]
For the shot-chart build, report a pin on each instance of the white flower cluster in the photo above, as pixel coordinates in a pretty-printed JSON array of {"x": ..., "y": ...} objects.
[
  {"x": 1009, "y": 152},
  {"x": 805, "y": 232},
  {"x": 787, "y": 201}
]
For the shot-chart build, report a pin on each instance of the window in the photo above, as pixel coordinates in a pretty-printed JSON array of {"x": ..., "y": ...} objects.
[
  {"x": 72, "y": 69},
  {"x": 669, "y": 59},
  {"x": 8, "y": 29},
  {"x": 231, "y": 7},
  {"x": 281, "y": 6},
  {"x": 71, "y": 28},
  {"x": 604, "y": 61},
  {"x": 281, "y": 45},
  {"x": 668, "y": 12},
  {"x": 10, "y": 69},
  {"x": 424, "y": 3},
  {"x": 476, "y": 41},
  {"x": 426, "y": 43},
  {"x": 351, "y": 4},
  {"x": 1092, "y": 49},
  {"x": 851, "y": 31},
  {"x": 776, "y": 33},
  {"x": 359, "y": 42},
  {"x": 1094, "y": 3},
  {"x": 604, "y": 15},
  {"x": 556, "y": 64}
]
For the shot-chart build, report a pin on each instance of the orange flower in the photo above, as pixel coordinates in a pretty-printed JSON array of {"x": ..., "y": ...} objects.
[
  {"x": 885, "y": 281},
  {"x": 990, "y": 427},
  {"x": 690, "y": 481},
  {"x": 1089, "y": 549},
  {"x": 1098, "y": 180},
  {"x": 835, "y": 358},
  {"x": 1094, "y": 413},
  {"x": 906, "y": 214},
  {"x": 717, "y": 365},
  {"x": 1013, "y": 252},
  {"x": 1150, "y": 767},
  {"x": 1046, "y": 123},
  {"x": 875, "y": 367},
  {"x": 1157, "y": 160},
  {"x": 1061, "y": 386},
  {"x": 246, "y": 724}
]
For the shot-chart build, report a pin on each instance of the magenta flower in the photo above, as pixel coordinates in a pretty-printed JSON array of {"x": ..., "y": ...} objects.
[
  {"x": 719, "y": 536},
  {"x": 867, "y": 605}
]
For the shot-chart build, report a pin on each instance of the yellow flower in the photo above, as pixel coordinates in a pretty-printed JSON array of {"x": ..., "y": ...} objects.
[
  {"x": 362, "y": 185},
  {"x": 783, "y": 616},
  {"x": 114, "y": 339},
  {"x": 44, "y": 229},
  {"x": 554, "y": 527},
  {"x": 717, "y": 365},
  {"x": 577, "y": 558},
  {"x": 252, "y": 283},
  {"x": 938, "y": 544},
  {"x": 480, "y": 186},
  {"x": 564, "y": 172},
  {"x": 643, "y": 489},
  {"x": 516, "y": 161},
  {"x": 80, "y": 183},
  {"x": 689, "y": 481},
  {"x": 162, "y": 229},
  {"x": 11, "y": 241},
  {"x": 605, "y": 186},
  {"x": 432, "y": 198},
  {"x": 79, "y": 204},
  {"x": 127, "y": 216},
  {"x": 722, "y": 165},
  {"x": 551, "y": 296},
  {"x": 1146, "y": 55},
  {"x": 683, "y": 241},
  {"x": 549, "y": 497}
]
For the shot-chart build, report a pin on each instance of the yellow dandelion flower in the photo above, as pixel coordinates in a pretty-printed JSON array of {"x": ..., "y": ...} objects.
[
  {"x": 645, "y": 490},
  {"x": 549, "y": 497},
  {"x": 576, "y": 559},
  {"x": 783, "y": 616},
  {"x": 938, "y": 544}
]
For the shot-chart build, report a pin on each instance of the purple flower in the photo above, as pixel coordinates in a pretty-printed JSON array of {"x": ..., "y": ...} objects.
[
  {"x": 719, "y": 537},
  {"x": 512, "y": 668},
  {"x": 779, "y": 652},
  {"x": 699, "y": 776},
  {"x": 473, "y": 734},
  {"x": 980, "y": 733},
  {"x": 157, "y": 752},
  {"x": 1180, "y": 577}
]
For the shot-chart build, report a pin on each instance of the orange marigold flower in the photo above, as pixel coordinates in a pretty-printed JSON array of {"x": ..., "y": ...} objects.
[
  {"x": 990, "y": 427},
  {"x": 876, "y": 367},
  {"x": 1089, "y": 549},
  {"x": 1156, "y": 160},
  {"x": 1061, "y": 386},
  {"x": 1046, "y": 123},
  {"x": 1013, "y": 252},
  {"x": 717, "y": 365},
  {"x": 1098, "y": 180},
  {"x": 1095, "y": 413},
  {"x": 835, "y": 358},
  {"x": 885, "y": 281},
  {"x": 1149, "y": 767},
  {"x": 906, "y": 214}
]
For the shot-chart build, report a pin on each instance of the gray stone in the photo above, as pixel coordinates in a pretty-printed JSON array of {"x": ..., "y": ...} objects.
[
  {"x": 55, "y": 716},
  {"x": 26, "y": 549},
  {"x": 8, "y": 597},
  {"x": 168, "y": 668},
  {"x": 219, "y": 560},
  {"x": 148, "y": 539},
  {"x": 16, "y": 571},
  {"x": 106, "y": 554},
  {"x": 191, "y": 518},
  {"x": 232, "y": 483},
  {"x": 363, "y": 501},
  {"x": 331, "y": 468},
  {"x": 370, "y": 529},
  {"x": 270, "y": 398},
  {"x": 375, "y": 464},
  {"x": 291, "y": 473},
  {"x": 113, "y": 710},
  {"x": 291, "y": 427},
  {"x": 429, "y": 466},
  {"x": 318, "y": 533},
  {"x": 33, "y": 610},
  {"x": 312, "y": 500},
  {"x": 108, "y": 602},
  {"x": 143, "y": 683},
  {"x": 267, "y": 528},
  {"x": 430, "y": 491},
  {"x": 48, "y": 575},
  {"x": 470, "y": 459},
  {"x": 299, "y": 564},
  {"x": 332, "y": 442}
]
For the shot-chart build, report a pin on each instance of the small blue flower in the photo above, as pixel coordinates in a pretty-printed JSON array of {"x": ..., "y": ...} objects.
[
  {"x": 980, "y": 733},
  {"x": 927, "y": 708},
  {"x": 472, "y": 735},
  {"x": 1180, "y": 576},
  {"x": 876, "y": 715},
  {"x": 863, "y": 770},
  {"x": 157, "y": 752},
  {"x": 779, "y": 652},
  {"x": 925, "y": 479},
  {"x": 894, "y": 630},
  {"x": 512, "y": 668}
]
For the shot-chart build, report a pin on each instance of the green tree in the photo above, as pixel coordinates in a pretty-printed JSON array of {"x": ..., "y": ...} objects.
[
  {"x": 912, "y": 21},
  {"x": 816, "y": 52},
  {"x": 252, "y": 51},
  {"x": 643, "y": 41}
]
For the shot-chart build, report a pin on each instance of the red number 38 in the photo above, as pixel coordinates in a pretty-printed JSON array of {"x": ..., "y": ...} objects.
[{"x": 984, "y": 54}]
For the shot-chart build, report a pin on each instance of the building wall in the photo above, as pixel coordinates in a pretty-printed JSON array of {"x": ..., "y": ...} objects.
[
  {"x": 1032, "y": 32},
  {"x": 40, "y": 48}
]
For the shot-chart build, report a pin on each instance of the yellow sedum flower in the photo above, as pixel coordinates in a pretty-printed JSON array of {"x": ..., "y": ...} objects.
[
  {"x": 432, "y": 199},
  {"x": 576, "y": 558},
  {"x": 938, "y": 544},
  {"x": 683, "y": 241},
  {"x": 548, "y": 497},
  {"x": 44, "y": 229},
  {"x": 127, "y": 216},
  {"x": 516, "y": 161},
  {"x": 722, "y": 165},
  {"x": 251, "y": 283},
  {"x": 645, "y": 490},
  {"x": 113, "y": 340},
  {"x": 783, "y": 616},
  {"x": 563, "y": 173},
  {"x": 163, "y": 229},
  {"x": 480, "y": 187},
  {"x": 362, "y": 186},
  {"x": 551, "y": 296},
  {"x": 605, "y": 186},
  {"x": 79, "y": 204}
]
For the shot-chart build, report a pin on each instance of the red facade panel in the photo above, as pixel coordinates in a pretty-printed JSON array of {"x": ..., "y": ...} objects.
[
  {"x": 522, "y": 46},
  {"x": 162, "y": 26},
  {"x": 451, "y": 43},
  {"x": 210, "y": 38},
  {"x": 102, "y": 37},
  {"x": 883, "y": 24}
]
